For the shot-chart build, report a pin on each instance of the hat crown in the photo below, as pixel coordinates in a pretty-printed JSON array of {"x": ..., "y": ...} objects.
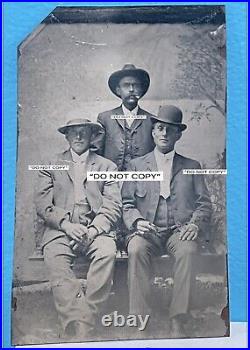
[
  {"x": 77, "y": 122},
  {"x": 80, "y": 122},
  {"x": 171, "y": 115},
  {"x": 129, "y": 69},
  {"x": 129, "y": 66}
]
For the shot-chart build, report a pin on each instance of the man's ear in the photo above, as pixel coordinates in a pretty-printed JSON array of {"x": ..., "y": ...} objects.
[
  {"x": 118, "y": 90},
  {"x": 153, "y": 131},
  {"x": 66, "y": 136},
  {"x": 179, "y": 135},
  {"x": 93, "y": 136}
]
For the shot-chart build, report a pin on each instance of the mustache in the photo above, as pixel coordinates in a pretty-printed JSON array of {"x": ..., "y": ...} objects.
[{"x": 134, "y": 95}]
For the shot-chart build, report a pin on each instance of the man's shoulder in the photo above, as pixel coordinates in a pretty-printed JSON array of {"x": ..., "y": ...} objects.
[
  {"x": 109, "y": 112},
  {"x": 55, "y": 157},
  {"x": 143, "y": 111},
  {"x": 188, "y": 162},
  {"x": 142, "y": 160},
  {"x": 102, "y": 161}
]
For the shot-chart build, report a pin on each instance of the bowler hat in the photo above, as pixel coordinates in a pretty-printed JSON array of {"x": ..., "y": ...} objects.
[
  {"x": 171, "y": 115},
  {"x": 80, "y": 122},
  {"x": 129, "y": 70}
]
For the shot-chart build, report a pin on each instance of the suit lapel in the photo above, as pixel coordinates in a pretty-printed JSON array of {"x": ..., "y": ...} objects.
[
  {"x": 89, "y": 165},
  {"x": 92, "y": 187},
  {"x": 137, "y": 122},
  {"x": 151, "y": 162},
  {"x": 177, "y": 165},
  {"x": 67, "y": 160},
  {"x": 119, "y": 111},
  {"x": 151, "y": 165}
]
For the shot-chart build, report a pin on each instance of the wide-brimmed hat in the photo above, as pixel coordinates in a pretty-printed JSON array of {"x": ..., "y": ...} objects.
[
  {"x": 80, "y": 122},
  {"x": 129, "y": 70},
  {"x": 171, "y": 115}
]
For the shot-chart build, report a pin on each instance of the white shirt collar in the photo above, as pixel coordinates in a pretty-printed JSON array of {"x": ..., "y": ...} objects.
[
  {"x": 128, "y": 112},
  {"x": 164, "y": 157},
  {"x": 79, "y": 159}
]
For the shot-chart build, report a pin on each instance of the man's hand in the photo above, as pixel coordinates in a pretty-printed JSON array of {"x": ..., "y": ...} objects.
[
  {"x": 144, "y": 226},
  {"x": 92, "y": 233},
  {"x": 88, "y": 238},
  {"x": 74, "y": 231},
  {"x": 189, "y": 232}
]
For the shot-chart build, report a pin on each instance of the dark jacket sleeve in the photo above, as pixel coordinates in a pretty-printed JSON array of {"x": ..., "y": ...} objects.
[
  {"x": 130, "y": 212},
  {"x": 99, "y": 142},
  {"x": 201, "y": 215}
]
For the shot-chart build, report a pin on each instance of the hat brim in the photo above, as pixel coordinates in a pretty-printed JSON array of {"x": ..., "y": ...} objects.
[
  {"x": 95, "y": 127},
  {"x": 141, "y": 74},
  {"x": 180, "y": 125}
]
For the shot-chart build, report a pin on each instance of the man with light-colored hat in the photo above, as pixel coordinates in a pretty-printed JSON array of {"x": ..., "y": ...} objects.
[
  {"x": 128, "y": 127},
  {"x": 80, "y": 218},
  {"x": 169, "y": 214}
]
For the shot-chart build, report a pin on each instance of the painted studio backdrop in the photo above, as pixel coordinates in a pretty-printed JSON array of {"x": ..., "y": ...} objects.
[{"x": 64, "y": 68}]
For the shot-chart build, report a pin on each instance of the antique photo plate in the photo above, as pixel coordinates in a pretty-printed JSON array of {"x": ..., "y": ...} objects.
[{"x": 64, "y": 66}]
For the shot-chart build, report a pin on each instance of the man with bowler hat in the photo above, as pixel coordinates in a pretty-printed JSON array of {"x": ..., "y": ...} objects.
[
  {"x": 127, "y": 127},
  {"x": 80, "y": 217},
  {"x": 169, "y": 214}
]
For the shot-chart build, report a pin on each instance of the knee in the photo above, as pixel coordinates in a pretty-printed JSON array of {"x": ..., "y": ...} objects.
[
  {"x": 56, "y": 257},
  {"x": 48, "y": 255},
  {"x": 135, "y": 249},
  {"x": 108, "y": 250},
  {"x": 187, "y": 248}
]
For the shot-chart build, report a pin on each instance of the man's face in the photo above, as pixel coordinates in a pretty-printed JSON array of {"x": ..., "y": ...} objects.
[
  {"x": 79, "y": 138},
  {"x": 165, "y": 136},
  {"x": 130, "y": 91}
]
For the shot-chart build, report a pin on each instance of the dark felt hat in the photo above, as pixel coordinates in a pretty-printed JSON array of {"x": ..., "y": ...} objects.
[
  {"x": 129, "y": 70},
  {"x": 171, "y": 115}
]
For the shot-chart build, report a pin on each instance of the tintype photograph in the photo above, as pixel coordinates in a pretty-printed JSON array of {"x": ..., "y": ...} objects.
[{"x": 120, "y": 223}]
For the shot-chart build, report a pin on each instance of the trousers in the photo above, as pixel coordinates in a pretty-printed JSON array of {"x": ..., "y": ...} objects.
[
  {"x": 70, "y": 301},
  {"x": 140, "y": 253}
]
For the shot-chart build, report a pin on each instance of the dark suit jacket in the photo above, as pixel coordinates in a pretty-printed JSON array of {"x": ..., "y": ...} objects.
[
  {"x": 54, "y": 196},
  {"x": 189, "y": 197},
  {"x": 111, "y": 143}
]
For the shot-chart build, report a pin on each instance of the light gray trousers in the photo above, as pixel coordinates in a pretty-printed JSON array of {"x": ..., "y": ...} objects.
[{"x": 70, "y": 301}]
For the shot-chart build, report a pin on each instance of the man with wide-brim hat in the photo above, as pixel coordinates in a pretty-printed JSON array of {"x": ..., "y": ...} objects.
[
  {"x": 164, "y": 215},
  {"x": 80, "y": 122},
  {"x": 80, "y": 218},
  {"x": 127, "y": 128}
]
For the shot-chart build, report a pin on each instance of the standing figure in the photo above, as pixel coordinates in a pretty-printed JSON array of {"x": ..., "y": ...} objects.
[{"x": 126, "y": 135}]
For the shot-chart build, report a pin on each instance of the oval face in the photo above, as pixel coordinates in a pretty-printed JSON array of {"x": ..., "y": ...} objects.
[
  {"x": 130, "y": 91},
  {"x": 165, "y": 136},
  {"x": 79, "y": 138}
]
